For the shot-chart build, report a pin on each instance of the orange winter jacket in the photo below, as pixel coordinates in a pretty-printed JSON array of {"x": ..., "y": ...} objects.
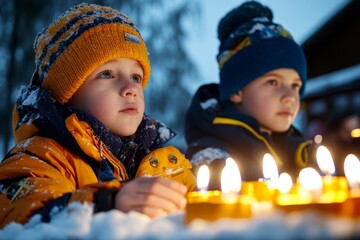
[{"x": 39, "y": 173}]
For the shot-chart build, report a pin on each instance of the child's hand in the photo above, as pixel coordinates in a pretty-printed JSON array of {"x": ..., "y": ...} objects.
[{"x": 152, "y": 196}]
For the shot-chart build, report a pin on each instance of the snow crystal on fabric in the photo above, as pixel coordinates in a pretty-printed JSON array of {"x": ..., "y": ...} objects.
[
  {"x": 207, "y": 155},
  {"x": 31, "y": 99},
  {"x": 26, "y": 143},
  {"x": 212, "y": 102},
  {"x": 172, "y": 171},
  {"x": 165, "y": 133}
]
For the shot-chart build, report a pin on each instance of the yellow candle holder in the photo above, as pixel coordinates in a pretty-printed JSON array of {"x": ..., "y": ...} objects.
[
  {"x": 258, "y": 190},
  {"x": 335, "y": 188},
  {"x": 351, "y": 207},
  {"x": 213, "y": 205},
  {"x": 333, "y": 200}
]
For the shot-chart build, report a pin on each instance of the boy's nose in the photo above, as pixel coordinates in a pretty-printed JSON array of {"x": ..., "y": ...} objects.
[
  {"x": 129, "y": 89},
  {"x": 289, "y": 96}
]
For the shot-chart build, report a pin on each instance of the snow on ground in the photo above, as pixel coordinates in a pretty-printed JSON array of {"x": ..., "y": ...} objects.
[{"x": 77, "y": 221}]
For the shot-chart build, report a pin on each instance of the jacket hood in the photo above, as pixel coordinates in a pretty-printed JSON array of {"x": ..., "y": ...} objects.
[
  {"x": 203, "y": 108},
  {"x": 33, "y": 106}
]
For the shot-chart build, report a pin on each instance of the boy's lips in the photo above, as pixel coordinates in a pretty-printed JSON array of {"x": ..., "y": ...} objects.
[
  {"x": 130, "y": 109},
  {"x": 285, "y": 113}
]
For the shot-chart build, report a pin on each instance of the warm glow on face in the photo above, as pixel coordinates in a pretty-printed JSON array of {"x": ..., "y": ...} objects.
[
  {"x": 310, "y": 179},
  {"x": 352, "y": 170},
  {"x": 325, "y": 160},
  {"x": 203, "y": 178},
  {"x": 230, "y": 177},
  {"x": 285, "y": 183},
  {"x": 270, "y": 171}
]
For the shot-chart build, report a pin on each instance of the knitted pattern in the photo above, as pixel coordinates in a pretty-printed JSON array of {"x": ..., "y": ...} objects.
[
  {"x": 250, "y": 33},
  {"x": 81, "y": 40}
]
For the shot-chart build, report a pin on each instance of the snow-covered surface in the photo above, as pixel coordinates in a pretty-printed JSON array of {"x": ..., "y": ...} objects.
[{"x": 78, "y": 222}]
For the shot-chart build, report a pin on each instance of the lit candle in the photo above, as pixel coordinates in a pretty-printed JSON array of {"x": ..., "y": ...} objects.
[
  {"x": 325, "y": 161},
  {"x": 230, "y": 181},
  {"x": 307, "y": 195},
  {"x": 311, "y": 181},
  {"x": 334, "y": 188},
  {"x": 213, "y": 205},
  {"x": 263, "y": 189},
  {"x": 270, "y": 171},
  {"x": 285, "y": 183},
  {"x": 352, "y": 171},
  {"x": 230, "y": 177},
  {"x": 203, "y": 178},
  {"x": 290, "y": 195},
  {"x": 351, "y": 207}
]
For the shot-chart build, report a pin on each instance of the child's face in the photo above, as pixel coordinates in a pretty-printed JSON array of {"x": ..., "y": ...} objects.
[
  {"x": 113, "y": 94},
  {"x": 272, "y": 99}
]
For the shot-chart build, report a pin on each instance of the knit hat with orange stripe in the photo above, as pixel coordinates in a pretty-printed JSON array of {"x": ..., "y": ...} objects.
[
  {"x": 252, "y": 45},
  {"x": 82, "y": 39}
]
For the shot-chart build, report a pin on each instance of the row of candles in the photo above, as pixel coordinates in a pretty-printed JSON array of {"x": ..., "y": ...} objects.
[{"x": 326, "y": 193}]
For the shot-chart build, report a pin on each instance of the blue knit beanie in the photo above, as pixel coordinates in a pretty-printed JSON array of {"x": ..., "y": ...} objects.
[{"x": 252, "y": 45}]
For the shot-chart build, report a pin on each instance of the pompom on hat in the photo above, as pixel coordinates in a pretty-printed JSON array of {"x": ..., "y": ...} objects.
[
  {"x": 82, "y": 39},
  {"x": 252, "y": 45}
]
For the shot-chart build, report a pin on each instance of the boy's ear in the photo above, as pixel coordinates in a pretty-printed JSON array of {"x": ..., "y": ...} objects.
[{"x": 236, "y": 97}]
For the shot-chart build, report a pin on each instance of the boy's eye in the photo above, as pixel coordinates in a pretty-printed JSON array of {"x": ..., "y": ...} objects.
[
  {"x": 106, "y": 74},
  {"x": 271, "y": 82},
  {"x": 296, "y": 86},
  {"x": 136, "y": 78}
]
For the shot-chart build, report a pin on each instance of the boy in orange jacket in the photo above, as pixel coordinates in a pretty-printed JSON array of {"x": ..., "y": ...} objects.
[{"x": 80, "y": 126}]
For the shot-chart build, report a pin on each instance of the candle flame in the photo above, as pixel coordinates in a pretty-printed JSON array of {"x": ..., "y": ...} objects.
[
  {"x": 325, "y": 160},
  {"x": 270, "y": 171},
  {"x": 285, "y": 183},
  {"x": 310, "y": 179},
  {"x": 230, "y": 177},
  {"x": 203, "y": 178},
  {"x": 352, "y": 170}
]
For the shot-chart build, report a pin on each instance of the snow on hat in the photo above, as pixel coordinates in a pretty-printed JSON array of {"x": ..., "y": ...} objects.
[
  {"x": 252, "y": 45},
  {"x": 85, "y": 37}
]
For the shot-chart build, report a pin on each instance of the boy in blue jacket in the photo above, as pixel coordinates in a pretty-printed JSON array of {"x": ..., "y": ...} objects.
[{"x": 251, "y": 111}]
